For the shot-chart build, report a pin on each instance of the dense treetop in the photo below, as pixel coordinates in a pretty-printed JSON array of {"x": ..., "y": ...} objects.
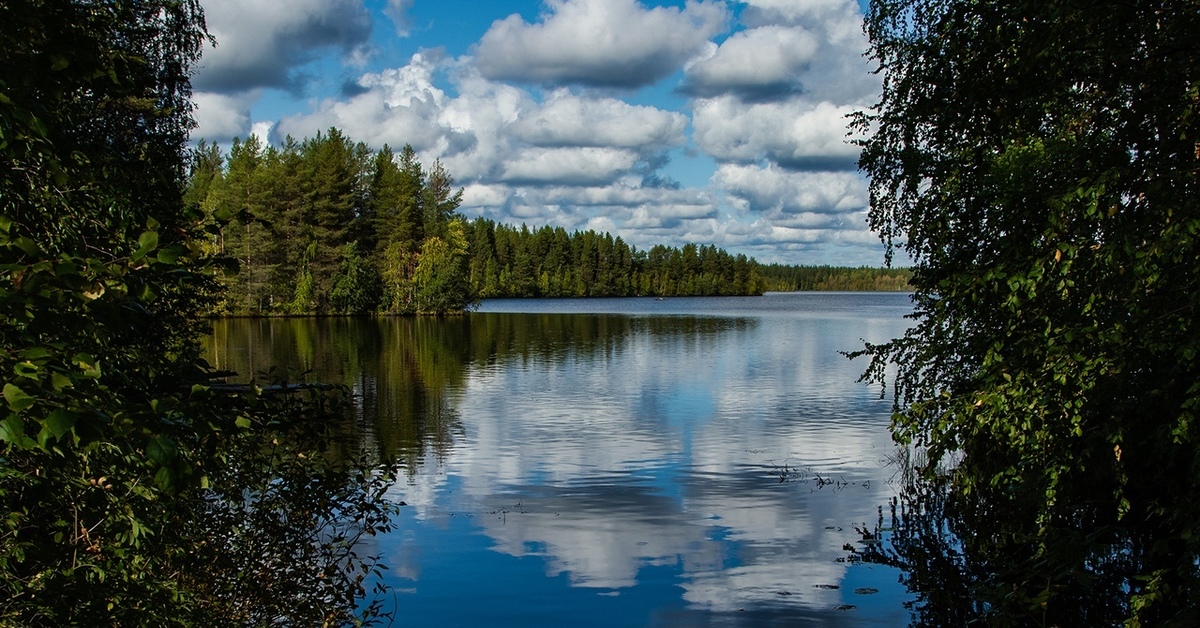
[{"x": 1040, "y": 164}]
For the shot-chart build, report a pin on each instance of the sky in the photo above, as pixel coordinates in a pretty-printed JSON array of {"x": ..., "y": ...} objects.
[{"x": 662, "y": 122}]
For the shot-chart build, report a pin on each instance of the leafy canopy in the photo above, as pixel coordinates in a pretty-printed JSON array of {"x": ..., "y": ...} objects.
[
  {"x": 1038, "y": 162},
  {"x": 118, "y": 504}
]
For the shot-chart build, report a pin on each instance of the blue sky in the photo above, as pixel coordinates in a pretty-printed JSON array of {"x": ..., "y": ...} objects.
[{"x": 708, "y": 121}]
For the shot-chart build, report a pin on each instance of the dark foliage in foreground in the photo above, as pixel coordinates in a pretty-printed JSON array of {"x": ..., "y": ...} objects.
[
  {"x": 131, "y": 492},
  {"x": 1040, "y": 164}
]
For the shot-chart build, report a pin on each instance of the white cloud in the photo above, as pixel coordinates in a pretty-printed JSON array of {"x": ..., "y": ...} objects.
[
  {"x": 625, "y": 196},
  {"x": 495, "y": 133},
  {"x": 262, "y": 131},
  {"x": 572, "y": 166},
  {"x": 773, "y": 190},
  {"x": 605, "y": 43},
  {"x": 837, "y": 12},
  {"x": 814, "y": 48},
  {"x": 221, "y": 117},
  {"x": 398, "y": 106},
  {"x": 261, "y": 42},
  {"x": 642, "y": 216},
  {"x": 768, "y": 110},
  {"x": 485, "y": 195},
  {"x": 796, "y": 133},
  {"x": 667, "y": 216},
  {"x": 764, "y": 62},
  {"x": 569, "y": 120}
]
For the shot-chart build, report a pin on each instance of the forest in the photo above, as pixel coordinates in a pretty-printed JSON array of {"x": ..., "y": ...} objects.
[
  {"x": 327, "y": 226},
  {"x": 786, "y": 278}
]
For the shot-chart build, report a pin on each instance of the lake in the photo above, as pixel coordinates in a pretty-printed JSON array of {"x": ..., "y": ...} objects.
[{"x": 617, "y": 462}]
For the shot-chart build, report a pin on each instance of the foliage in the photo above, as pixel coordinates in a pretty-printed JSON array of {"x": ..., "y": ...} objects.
[
  {"x": 294, "y": 213},
  {"x": 423, "y": 361},
  {"x": 508, "y": 261},
  {"x": 281, "y": 522},
  {"x": 782, "y": 278},
  {"x": 927, "y": 538},
  {"x": 107, "y": 449},
  {"x": 357, "y": 287},
  {"x": 441, "y": 273},
  {"x": 1038, "y": 162}
]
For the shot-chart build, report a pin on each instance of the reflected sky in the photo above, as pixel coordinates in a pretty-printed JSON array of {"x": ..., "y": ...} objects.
[
  {"x": 618, "y": 462},
  {"x": 673, "y": 475}
]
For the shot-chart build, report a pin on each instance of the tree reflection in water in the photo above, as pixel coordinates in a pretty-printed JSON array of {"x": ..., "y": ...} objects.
[
  {"x": 295, "y": 503},
  {"x": 283, "y": 519},
  {"x": 968, "y": 563},
  {"x": 404, "y": 372}
]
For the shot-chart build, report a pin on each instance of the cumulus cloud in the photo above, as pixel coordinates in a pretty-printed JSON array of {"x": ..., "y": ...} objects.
[
  {"x": 262, "y": 131},
  {"x": 642, "y": 216},
  {"x": 478, "y": 195},
  {"x": 668, "y": 216},
  {"x": 626, "y": 196},
  {"x": 758, "y": 63},
  {"x": 397, "y": 106},
  {"x": 601, "y": 43},
  {"x": 489, "y": 132},
  {"x": 770, "y": 105},
  {"x": 796, "y": 134},
  {"x": 799, "y": 217},
  {"x": 260, "y": 43},
  {"x": 813, "y": 48},
  {"x": 221, "y": 117},
  {"x": 571, "y": 166},
  {"x": 773, "y": 190},
  {"x": 837, "y": 14},
  {"x": 569, "y": 120}
]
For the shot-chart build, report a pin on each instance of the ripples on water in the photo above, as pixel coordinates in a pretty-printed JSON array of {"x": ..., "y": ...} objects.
[{"x": 622, "y": 462}]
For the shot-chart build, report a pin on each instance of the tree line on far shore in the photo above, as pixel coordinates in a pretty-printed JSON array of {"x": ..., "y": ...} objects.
[
  {"x": 508, "y": 261},
  {"x": 327, "y": 226},
  {"x": 785, "y": 278}
]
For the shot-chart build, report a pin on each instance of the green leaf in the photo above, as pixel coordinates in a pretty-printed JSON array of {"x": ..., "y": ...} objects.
[
  {"x": 88, "y": 364},
  {"x": 161, "y": 450},
  {"x": 12, "y": 430},
  {"x": 29, "y": 247},
  {"x": 17, "y": 399},
  {"x": 146, "y": 243},
  {"x": 164, "y": 479},
  {"x": 26, "y": 369},
  {"x": 36, "y": 353},
  {"x": 169, "y": 255},
  {"x": 242, "y": 422},
  {"x": 60, "y": 381},
  {"x": 37, "y": 126},
  {"x": 60, "y": 422},
  {"x": 224, "y": 214}
]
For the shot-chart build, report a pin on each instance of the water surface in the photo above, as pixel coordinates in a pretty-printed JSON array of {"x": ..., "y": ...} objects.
[{"x": 618, "y": 462}]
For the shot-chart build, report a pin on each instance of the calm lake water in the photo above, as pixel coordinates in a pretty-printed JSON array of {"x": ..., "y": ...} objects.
[{"x": 618, "y": 462}]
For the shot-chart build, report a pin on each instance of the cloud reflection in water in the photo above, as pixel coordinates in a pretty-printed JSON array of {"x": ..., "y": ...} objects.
[{"x": 651, "y": 455}]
